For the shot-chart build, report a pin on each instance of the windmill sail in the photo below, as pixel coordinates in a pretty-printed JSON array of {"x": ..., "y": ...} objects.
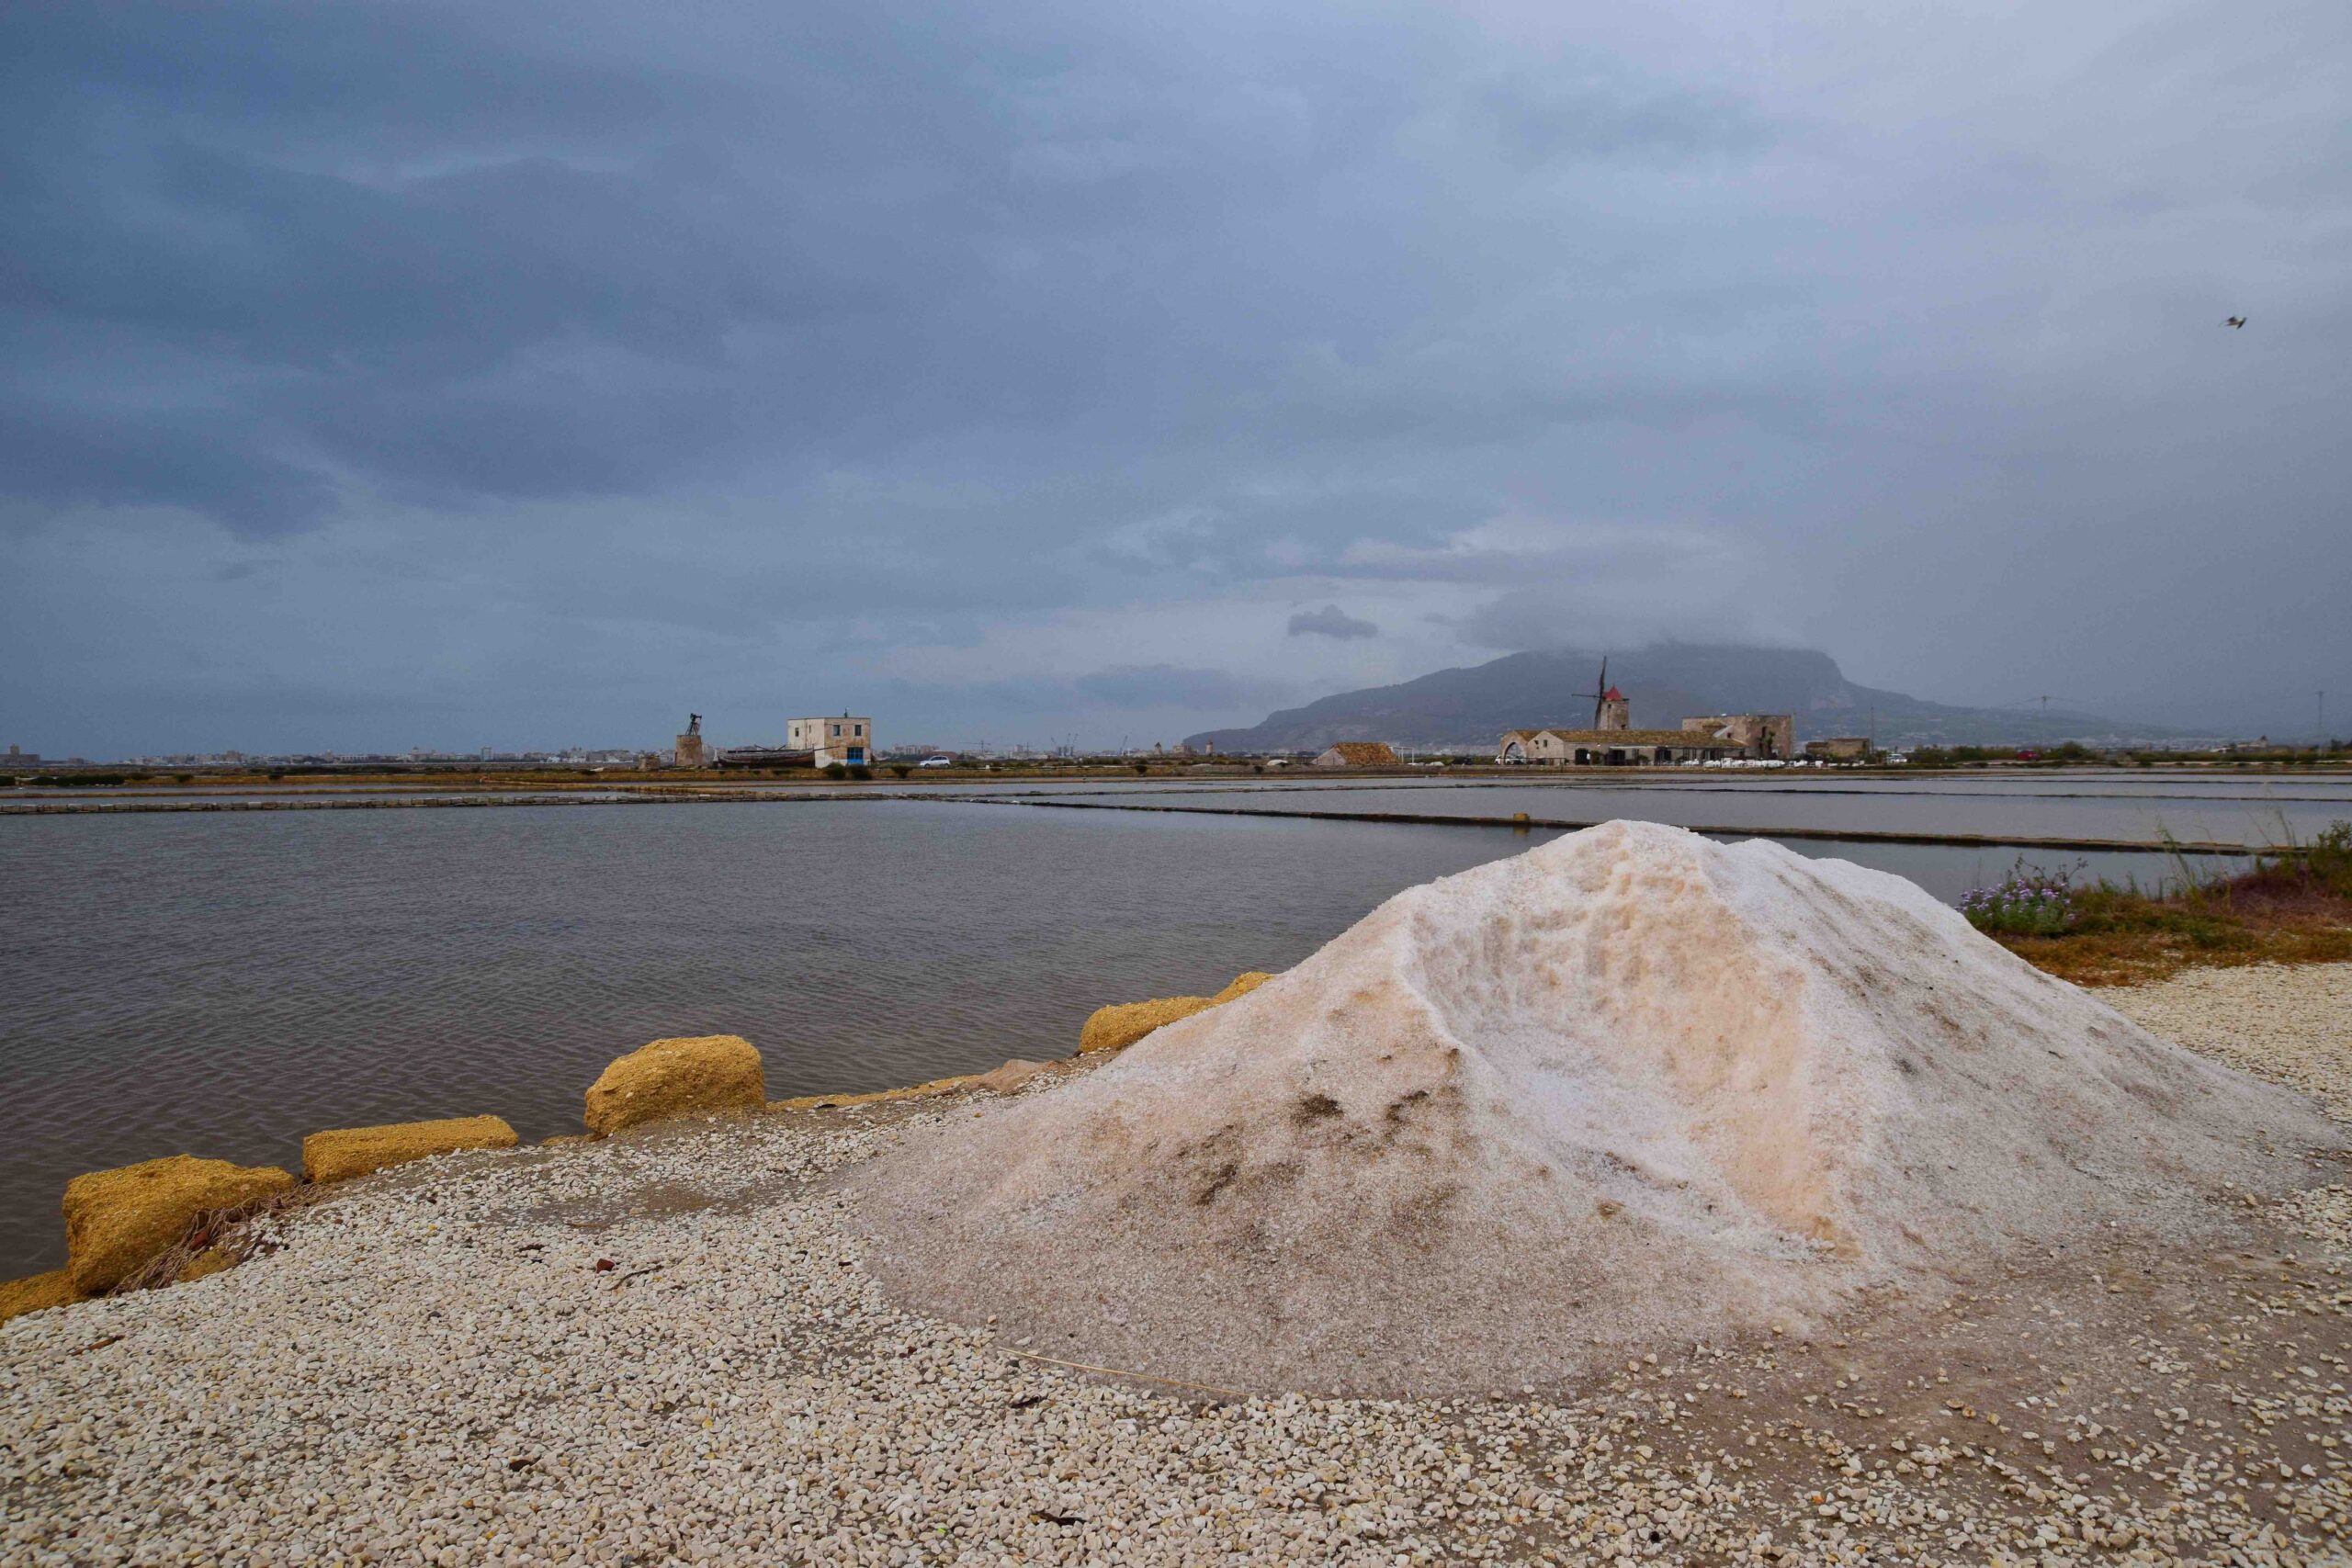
[{"x": 1600, "y": 693}]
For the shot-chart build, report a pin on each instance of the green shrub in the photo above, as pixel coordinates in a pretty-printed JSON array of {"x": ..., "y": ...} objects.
[
  {"x": 901, "y": 769},
  {"x": 2025, "y": 903},
  {"x": 835, "y": 770},
  {"x": 2331, "y": 857},
  {"x": 861, "y": 771}
]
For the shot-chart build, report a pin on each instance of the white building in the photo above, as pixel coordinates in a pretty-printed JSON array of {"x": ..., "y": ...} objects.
[{"x": 847, "y": 738}]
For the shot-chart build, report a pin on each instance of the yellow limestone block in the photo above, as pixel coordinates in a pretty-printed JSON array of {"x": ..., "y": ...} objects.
[
  {"x": 1243, "y": 984},
  {"x": 1120, "y": 1025},
  {"x": 118, "y": 1220},
  {"x": 355, "y": 1151},
  {"x": 694, "y": 1076},
  {"x": 18, "y": 1297}
]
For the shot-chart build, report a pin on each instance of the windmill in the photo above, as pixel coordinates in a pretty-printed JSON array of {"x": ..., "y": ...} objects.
[{"x": 1600, "y": 693}]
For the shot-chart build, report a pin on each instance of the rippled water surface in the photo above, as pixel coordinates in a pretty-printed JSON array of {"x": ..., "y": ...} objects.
[{"x": 221, "y": 984}]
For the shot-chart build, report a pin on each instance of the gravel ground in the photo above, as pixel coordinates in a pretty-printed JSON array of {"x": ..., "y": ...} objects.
[
  {"x": 666, "y": 1348},
  {"x": 2292, "y": 1026}
]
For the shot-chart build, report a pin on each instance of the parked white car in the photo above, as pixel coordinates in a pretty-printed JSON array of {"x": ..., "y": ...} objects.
[{"x": 936, "y": 763}]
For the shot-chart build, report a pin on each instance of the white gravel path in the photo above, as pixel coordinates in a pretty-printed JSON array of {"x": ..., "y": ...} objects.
[
  {"x": 2290, "y": 1025},
  {"x": 435, "y": 1367}
]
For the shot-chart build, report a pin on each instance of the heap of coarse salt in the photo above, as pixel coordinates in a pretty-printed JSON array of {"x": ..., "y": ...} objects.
[{"x": 1630, "y": 1087}]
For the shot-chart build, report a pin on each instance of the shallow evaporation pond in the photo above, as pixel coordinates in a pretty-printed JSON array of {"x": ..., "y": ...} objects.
[
  {"x": 2204, "y": 820},
  {"x": 222, "y": 983}
]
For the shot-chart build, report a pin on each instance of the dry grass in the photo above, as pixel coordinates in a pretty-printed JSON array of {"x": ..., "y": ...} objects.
[
  {"x": 2290, "y": 912},
  {"x": 223, "y": 1238}
]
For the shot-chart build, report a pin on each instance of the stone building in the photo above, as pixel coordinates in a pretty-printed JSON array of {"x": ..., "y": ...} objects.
[
  {"x": 1618, "y": 746},
  {"x": 847, "y": 738},
  {"x": 1769, "y": 736},
  {"x": 690, "y": 751},
  {"x": 1359, "y": 754},
  {"x": 1839, "y": 748},
  {"x": 1613, "y": 741}
]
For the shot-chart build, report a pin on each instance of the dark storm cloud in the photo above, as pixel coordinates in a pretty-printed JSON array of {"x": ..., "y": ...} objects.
[
  {"x": 948, "y": 355},
  {"x": 493, "y": 273},
  {"x": 450, "y": 263},
  {"x": 1332, "y": 622},
  {"x": 207, "y": 460}
]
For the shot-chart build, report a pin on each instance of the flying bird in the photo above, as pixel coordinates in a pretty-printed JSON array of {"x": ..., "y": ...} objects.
[{"x": 2234, "y": 322}]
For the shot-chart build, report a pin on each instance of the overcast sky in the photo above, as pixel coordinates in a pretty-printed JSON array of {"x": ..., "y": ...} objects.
[{"x": 394, "y": 375}]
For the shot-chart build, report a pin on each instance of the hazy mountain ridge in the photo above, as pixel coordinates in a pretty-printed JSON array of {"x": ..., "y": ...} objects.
[{"x": 1469, "y": 708}]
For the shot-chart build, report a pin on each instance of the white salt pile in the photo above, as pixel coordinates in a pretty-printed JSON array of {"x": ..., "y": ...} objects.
[{"x": 1631, "y": 1089}]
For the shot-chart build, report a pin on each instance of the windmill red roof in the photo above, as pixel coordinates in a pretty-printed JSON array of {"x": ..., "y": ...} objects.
[{"x": 1613, "y": 695}]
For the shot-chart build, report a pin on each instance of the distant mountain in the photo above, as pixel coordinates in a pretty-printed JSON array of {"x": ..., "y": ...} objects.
[{"x": 1467, "y": 709}]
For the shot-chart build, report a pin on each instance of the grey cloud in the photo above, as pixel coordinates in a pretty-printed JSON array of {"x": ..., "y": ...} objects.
[
  {"x": 799, "y": 334},
  {"x": 1543, "y": 115},
  {"x": 430, "y": 326},
  {"x": 205, "y": 460},
  {"x": 1530, "y": 619},
  {"x": 1515, "y": 623},
  {"x": 427, "y": 249},
  {"x": 1332, "y": 622},
  {"x": 1579, "y": 558},
  {"x": 1170, "y": 686}
]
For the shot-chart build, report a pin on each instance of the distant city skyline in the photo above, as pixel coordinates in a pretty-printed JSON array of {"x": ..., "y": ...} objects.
[{"x": 749, "y": 733}]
